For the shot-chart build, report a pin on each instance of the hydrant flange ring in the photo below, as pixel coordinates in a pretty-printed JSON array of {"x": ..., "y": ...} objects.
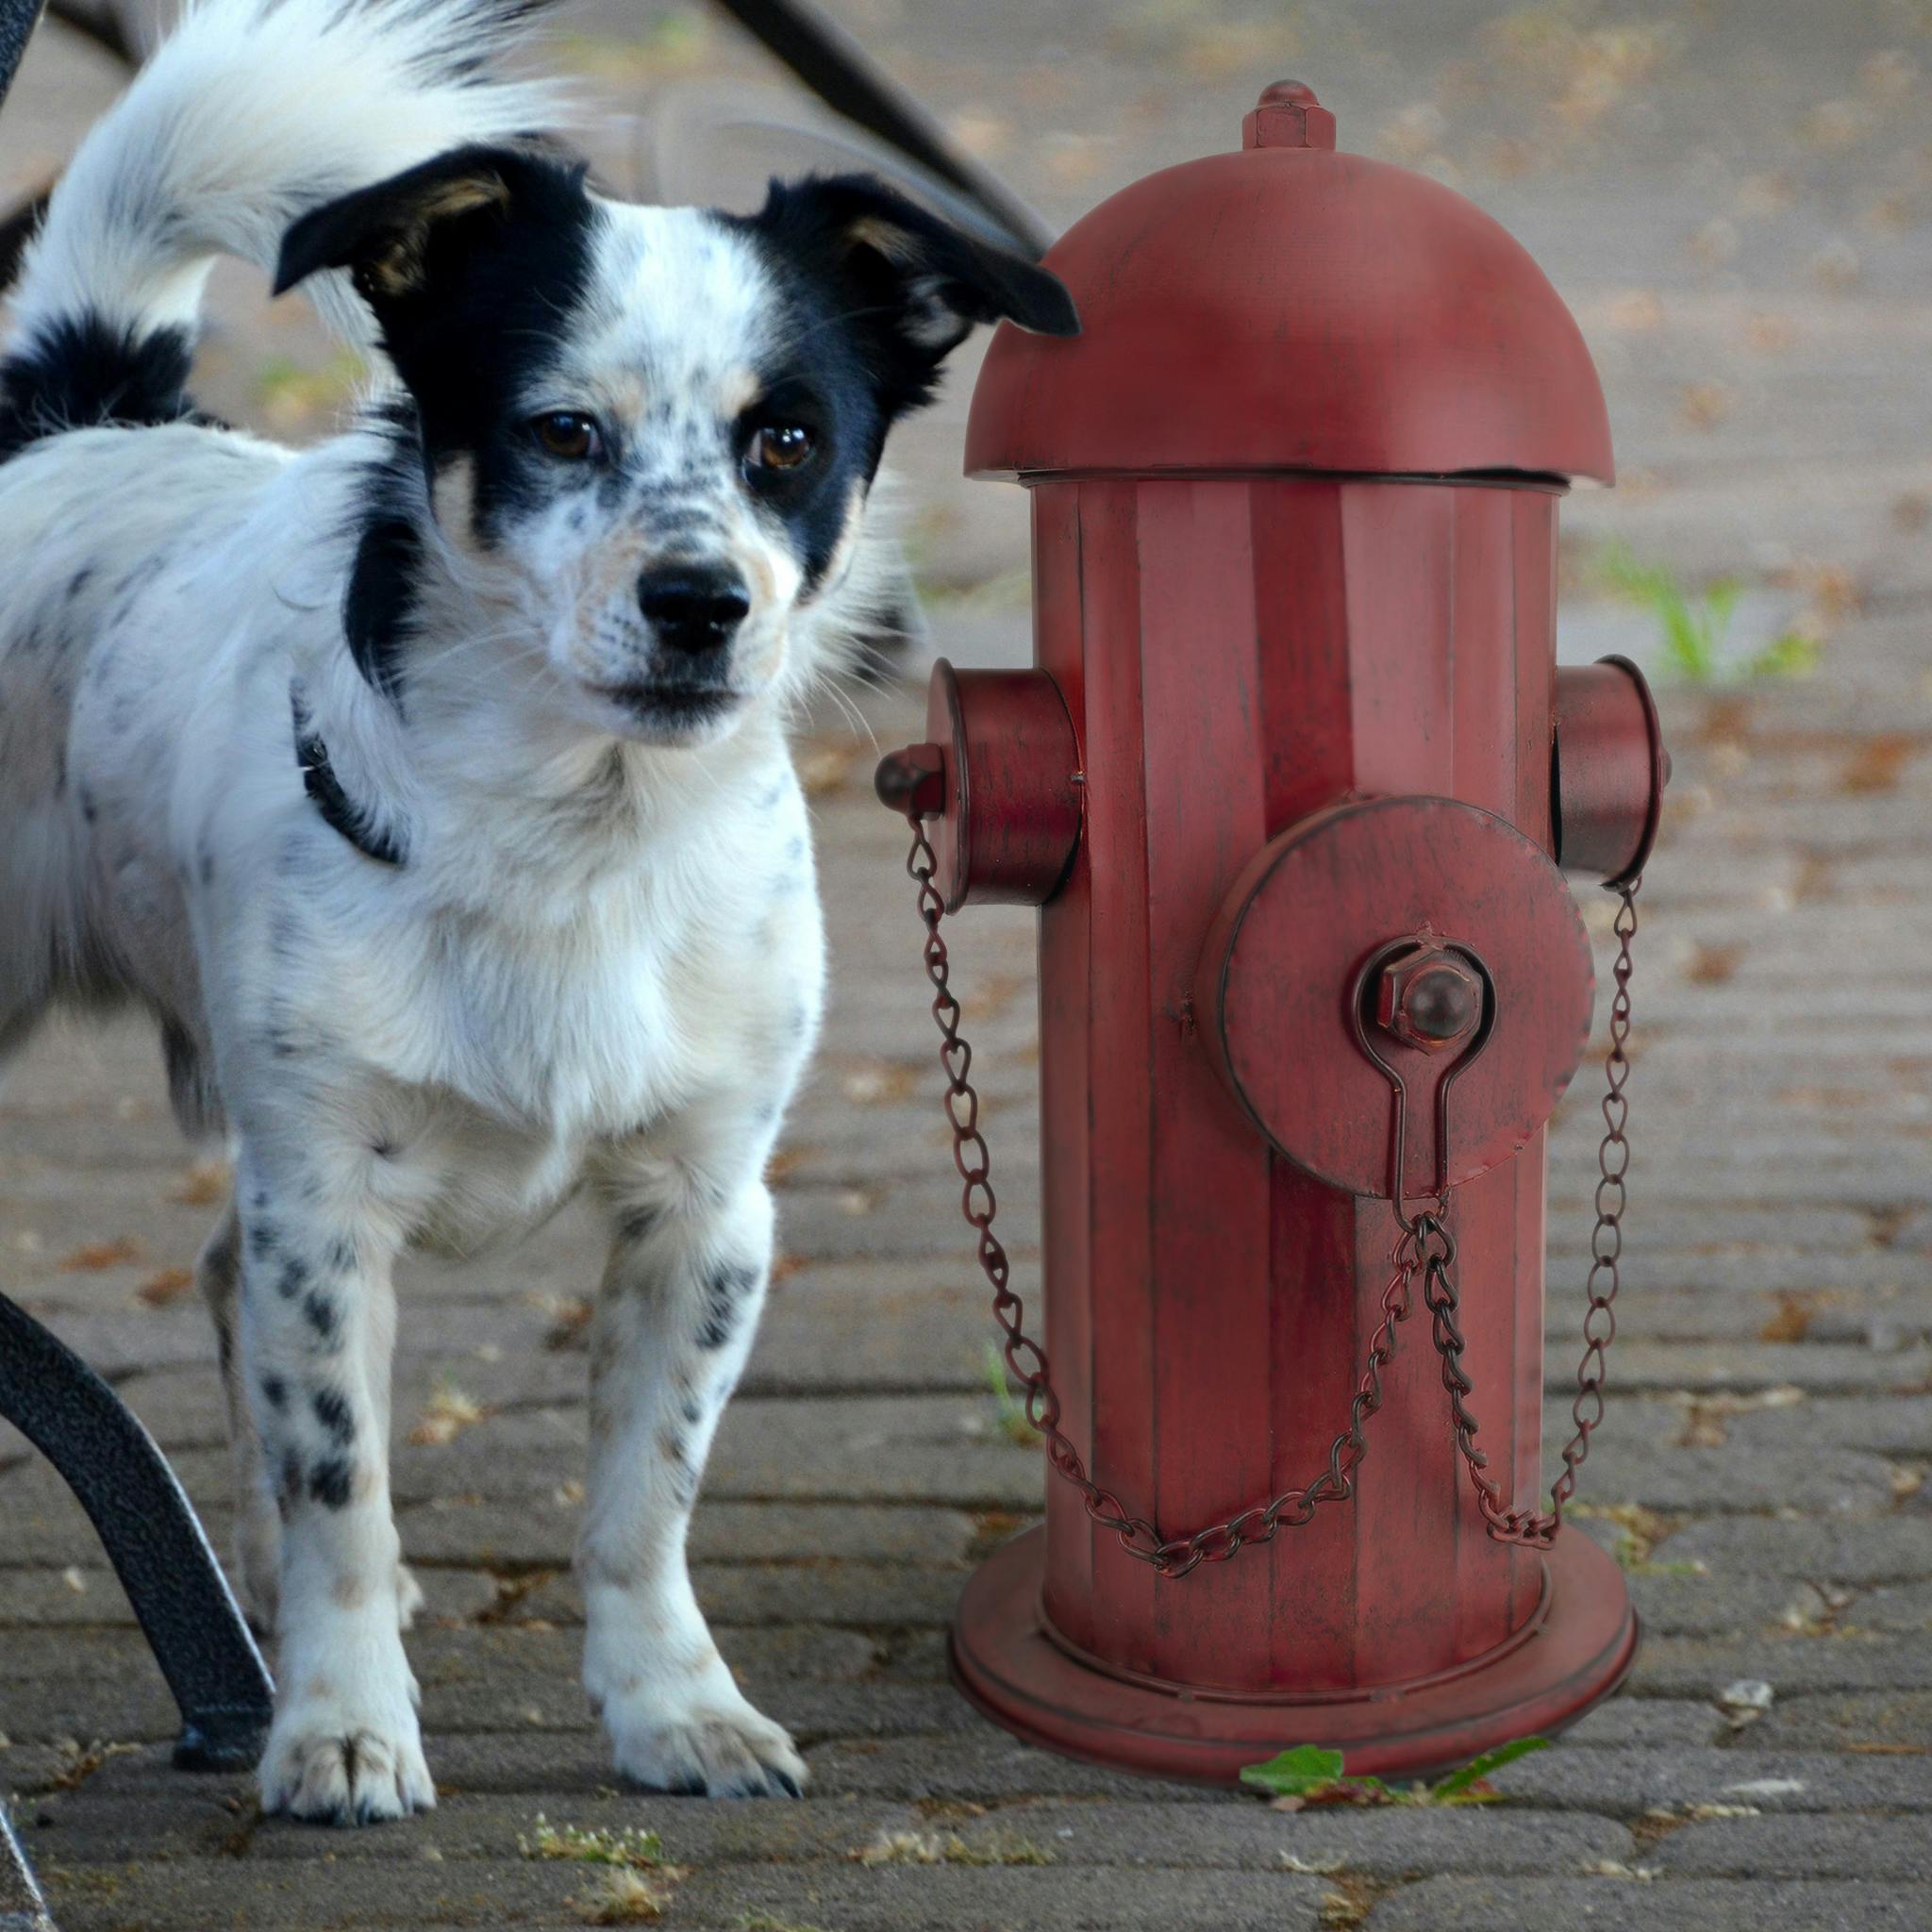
[{"x": 1282, "y": 972}]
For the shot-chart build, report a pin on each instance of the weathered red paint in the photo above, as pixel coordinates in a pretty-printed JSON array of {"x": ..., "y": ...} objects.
[
  {"x": 1295, "y": 496},
  {"x": 1607, "y": 777},
  {"x": 1010, "y": 815}
]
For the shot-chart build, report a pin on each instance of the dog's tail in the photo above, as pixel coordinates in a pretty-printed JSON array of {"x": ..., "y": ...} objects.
[{"x": 251, "y": 113}]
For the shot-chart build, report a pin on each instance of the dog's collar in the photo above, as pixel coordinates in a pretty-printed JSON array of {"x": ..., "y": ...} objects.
[{"x": 325, "y": 791}]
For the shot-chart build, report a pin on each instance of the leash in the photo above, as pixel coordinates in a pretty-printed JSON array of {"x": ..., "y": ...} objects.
[{"x": 833, "y": 65}]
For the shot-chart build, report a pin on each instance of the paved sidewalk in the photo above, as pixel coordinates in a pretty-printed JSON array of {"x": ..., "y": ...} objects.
[{"x": 1762, "y": 1471}]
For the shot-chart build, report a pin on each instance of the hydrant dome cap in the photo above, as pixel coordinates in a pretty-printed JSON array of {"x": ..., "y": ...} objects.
[{"x": 1294, "y": 308}]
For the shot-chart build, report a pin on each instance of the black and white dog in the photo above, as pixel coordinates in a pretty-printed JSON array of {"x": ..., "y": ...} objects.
[{"x": 430, "y": 787}]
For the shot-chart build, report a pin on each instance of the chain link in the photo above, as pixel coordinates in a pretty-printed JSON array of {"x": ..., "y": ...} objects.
[
  {"x": 1532, "y": 1528},
  {"x": 1424, "y": 1245}
]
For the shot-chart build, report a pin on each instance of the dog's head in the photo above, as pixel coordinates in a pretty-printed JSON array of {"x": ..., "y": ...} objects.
[{"x": 647, "y": 435}]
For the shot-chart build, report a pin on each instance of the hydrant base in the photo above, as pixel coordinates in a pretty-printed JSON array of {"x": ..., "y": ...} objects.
[{"x": 1005, "y": 1662}]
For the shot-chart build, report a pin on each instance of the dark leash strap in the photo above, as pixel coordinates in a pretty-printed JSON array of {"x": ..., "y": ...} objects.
[{"x": 833, "y": 65}]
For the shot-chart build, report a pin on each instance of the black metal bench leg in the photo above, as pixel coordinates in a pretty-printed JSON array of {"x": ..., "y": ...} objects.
[
  {"x": 152, "y": 1536},
  {"x": 22, "y": 1908}
]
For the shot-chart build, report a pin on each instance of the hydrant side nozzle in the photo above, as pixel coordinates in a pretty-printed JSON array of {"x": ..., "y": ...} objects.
[{"x": 912, "y": 781}]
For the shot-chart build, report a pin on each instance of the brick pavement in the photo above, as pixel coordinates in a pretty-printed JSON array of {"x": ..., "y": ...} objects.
[{"x": 1762, "y": 1471}]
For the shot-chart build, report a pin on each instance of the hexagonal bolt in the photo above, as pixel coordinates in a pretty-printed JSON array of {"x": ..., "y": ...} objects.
[{"x": 1429, "y": 1000}]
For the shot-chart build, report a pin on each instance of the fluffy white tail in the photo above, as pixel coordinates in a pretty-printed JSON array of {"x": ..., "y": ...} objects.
[{"x": 250, "y": 113}]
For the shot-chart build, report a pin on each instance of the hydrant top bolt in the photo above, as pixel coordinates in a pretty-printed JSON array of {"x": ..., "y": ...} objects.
[
  {"x": 1429, "y": 1000},
  {"x": 1287, "y": 115}
]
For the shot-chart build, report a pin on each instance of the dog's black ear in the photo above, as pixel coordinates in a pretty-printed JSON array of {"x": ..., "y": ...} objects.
[
  {"x": 923, "y": 281},
  {"x": 396, "y": 236}
]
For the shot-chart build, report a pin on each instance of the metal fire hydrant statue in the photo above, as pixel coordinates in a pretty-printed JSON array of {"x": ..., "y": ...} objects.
[{"x": 1291, "y": 784}]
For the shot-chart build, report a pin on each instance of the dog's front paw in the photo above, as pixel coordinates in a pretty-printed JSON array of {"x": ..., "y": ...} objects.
[
  {"x": 337, "y": 1761},
  {"x": 716, "y": 1746}
]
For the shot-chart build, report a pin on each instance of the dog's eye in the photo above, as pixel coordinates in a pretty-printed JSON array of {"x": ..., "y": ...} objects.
[
  {"x": 780, "y": 446},
  {"x": 567, "y": 434}
]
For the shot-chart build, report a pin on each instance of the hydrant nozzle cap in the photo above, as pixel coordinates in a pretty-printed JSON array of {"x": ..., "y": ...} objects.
[{"x": 1287, "y": 115}]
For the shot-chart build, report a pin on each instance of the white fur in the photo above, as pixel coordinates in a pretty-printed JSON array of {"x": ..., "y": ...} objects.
[
  {"x": 249, "y": 112},
  {"x": 601, "y": 965}
]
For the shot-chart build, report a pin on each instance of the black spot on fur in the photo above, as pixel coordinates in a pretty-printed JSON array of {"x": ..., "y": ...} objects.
[
  {"x": 262, "y": 1237},
  {"x": 339, "y": 1256},
  {"x": 333, "y": 1412},
  {"x": 636, "y": 1223},
  {"x": 328, "y": 1482},
  {"x": 274, "y": 1391},
  {"x": 78, "y": 582},
  {"x": 693, "y": 1410},
  {"x": 137, "y": 580},
  {"x": 204, "y": 865},
  {"x": 82, "y": 371},
  {"x": 324, "y": 1317},
  {"x": 725, "y": 1291},
  {"x": 90, "y": 810},
  {"x": 294, "y": 1278}
]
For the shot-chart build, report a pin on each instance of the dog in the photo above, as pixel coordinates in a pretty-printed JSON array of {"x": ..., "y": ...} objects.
[{"x": 430, "y": 787}]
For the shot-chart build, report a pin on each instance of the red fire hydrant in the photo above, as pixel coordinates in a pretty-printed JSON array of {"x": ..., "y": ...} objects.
[{"x": 1291, "y": 784}]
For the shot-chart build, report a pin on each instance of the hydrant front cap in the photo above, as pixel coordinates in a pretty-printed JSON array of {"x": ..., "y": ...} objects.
[{"x": 1290, "y": 306}]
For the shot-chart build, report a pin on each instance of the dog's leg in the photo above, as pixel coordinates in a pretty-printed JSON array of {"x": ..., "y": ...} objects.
[
  {"x": 317, "y": 1317},
  {"x": 257, "y": 1523},
  {"x": 258, "y": 1520},
  {"x": 378, "y": 1351},
  {"x": 691, "y": 1255}
]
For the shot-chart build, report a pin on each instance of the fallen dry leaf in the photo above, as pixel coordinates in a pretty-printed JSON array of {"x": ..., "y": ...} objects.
[
  {"x": 1795, "y": 1313},
  {"x": 1702, "y": 405},
  {"x": 164, "y": 1286},
  {"x": 1879, "y": 766},
  {"x": 95, "y": 1256},
  {"x": 203, "y": 1184},
  {"x": 445, "y": 1416},
  {"x": 1713, "y": 965}
]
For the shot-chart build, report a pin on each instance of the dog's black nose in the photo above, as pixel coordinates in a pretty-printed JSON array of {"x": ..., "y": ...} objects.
[{"x": 692, "y": 607}]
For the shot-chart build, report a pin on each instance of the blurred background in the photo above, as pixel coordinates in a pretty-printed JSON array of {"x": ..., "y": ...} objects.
[{"x": 1733, "y": 195}]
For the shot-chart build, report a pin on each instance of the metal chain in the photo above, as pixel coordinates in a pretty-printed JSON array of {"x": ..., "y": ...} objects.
[
  {"x": 1532, "y": 1528},
  {"x": 1425, "y": 1244},
  {"x": 1026, "y": 1360}
]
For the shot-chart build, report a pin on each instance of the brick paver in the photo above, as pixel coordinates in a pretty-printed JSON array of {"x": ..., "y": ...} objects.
[{"x": 1761, "y": 1473}]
